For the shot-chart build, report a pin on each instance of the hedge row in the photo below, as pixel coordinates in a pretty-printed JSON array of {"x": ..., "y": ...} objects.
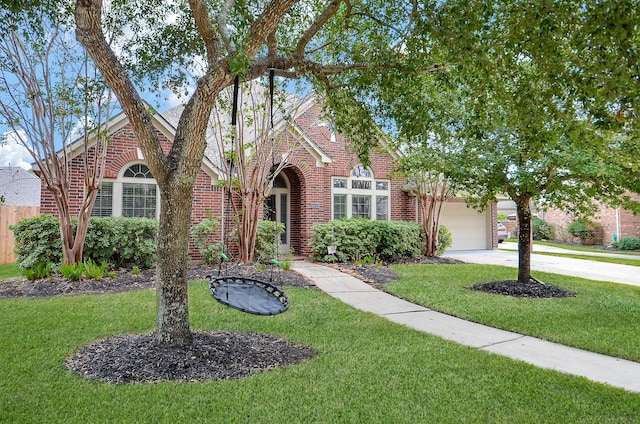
[
  {"x": 117, "y": 240},
  {"x": 357, "y": 239}
]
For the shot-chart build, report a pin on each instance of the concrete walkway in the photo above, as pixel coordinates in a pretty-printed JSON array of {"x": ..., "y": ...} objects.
[
  {"x": 592, "y": 270},
  {"x": 356, "y": 293}
]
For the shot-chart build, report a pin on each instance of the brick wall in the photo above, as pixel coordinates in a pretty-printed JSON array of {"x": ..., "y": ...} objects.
[
  {"x": 123, "y": 150},
  {"x": 620, "y": 222}
]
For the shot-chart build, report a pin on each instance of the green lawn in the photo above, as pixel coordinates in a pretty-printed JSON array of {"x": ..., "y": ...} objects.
[
  {"x": 603, "y": 317},
  {"x": 9, "y": 271},
  {"x": 583, "y": 248},
  {"x": 621, "y": 261},
  {"x": 367, "y": 370}
]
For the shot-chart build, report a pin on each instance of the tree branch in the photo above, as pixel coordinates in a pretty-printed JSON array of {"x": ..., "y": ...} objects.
[
  {"x": 89, "y": 33},
  {"x": 315, "y": 27},
  {"x": 222, "y": 25},
  {"x": 266, "y": 24},
  {"x": 205, "y": 28}
]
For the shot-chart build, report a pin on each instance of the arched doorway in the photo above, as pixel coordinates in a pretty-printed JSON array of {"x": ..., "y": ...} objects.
[{"x": 277, "y": 207}]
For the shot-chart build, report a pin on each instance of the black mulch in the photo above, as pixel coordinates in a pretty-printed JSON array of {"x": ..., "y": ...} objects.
[
  {"x": 126, "y": 281},
  {"x": 214, "y": 355},
  {"x": 533, "y": 288}
]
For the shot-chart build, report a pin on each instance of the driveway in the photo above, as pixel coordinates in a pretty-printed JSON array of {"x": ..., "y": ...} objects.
[{"x": 592, "y": 270}]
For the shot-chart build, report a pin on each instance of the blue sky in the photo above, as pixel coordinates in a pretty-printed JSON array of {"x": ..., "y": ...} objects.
[{"x": 12, "y": 153}]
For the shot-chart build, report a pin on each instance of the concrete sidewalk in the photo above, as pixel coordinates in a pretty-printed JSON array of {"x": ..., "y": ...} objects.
[
  {"x": 596, "y": 367},
  {"x": 583, "y": 268}
]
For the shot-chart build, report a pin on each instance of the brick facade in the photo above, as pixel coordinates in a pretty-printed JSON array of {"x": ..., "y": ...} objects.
[
  {"x": 310, "y": 180},
  {"x": 617, "y": 223}
]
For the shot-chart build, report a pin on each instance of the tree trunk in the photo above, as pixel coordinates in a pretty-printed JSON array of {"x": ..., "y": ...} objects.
[
  {"x": 523, "y": 210},
  {"x": 172, "y": 321}
]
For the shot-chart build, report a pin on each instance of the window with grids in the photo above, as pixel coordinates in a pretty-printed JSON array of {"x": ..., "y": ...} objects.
[
  {"x": 103, "y": 205},
  {"x": 139, "y": 199},
  {"x": 360, "y": 196},
  {"x": 133, "y": 194}
]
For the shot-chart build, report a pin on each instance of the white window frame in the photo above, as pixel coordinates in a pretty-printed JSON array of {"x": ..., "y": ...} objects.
[
  {"x": 376, "y": 190},
  {"x": 118, "y": 189}
]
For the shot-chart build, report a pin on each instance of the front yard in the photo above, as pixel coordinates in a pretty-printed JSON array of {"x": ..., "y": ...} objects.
[{"x": 365, "y": 369}]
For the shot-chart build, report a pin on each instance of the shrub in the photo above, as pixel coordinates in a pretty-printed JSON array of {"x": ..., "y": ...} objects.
[
  {"x": 589, "y": 232},
  {"x": 627, "y": 243},
  {"x": 122, "y": 241},
  {"x": 119, "y": 241},
  {"x": 37, "y": 241},
  {"x": 202, "y": 234},
  {"x": 358, "y": 239},
  {"x": 267, "y": 240},
  {"x": 542, "y": 230},
  {"x": 445, "y": 239}
]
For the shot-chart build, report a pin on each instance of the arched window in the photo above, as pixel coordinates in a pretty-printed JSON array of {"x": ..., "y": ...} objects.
[
  {"x": 139, "y": 197},
  {"x": 133, "y": 194},
  {"x": 360, "y": 196}
]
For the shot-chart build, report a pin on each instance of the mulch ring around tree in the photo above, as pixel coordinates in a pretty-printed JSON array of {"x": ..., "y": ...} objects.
[
  {"x": 533, "y": 289},
  {"x": 213, "y": 355}
]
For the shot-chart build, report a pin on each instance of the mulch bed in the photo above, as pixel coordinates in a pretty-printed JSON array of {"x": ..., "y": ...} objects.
[
  {"x": 534, "y": 289},
  {"x": 214, "y": 355}
]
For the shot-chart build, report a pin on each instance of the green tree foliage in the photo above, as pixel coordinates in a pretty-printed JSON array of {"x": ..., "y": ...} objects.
[{"x": 531, "y": 103}]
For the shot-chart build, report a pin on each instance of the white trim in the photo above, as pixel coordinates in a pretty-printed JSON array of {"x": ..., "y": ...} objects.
[{"x": 372, "y": 192}]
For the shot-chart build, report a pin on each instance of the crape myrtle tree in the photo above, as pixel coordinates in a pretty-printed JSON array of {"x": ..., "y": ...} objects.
[
  {"x": 428, "y": 183},
  {"x": 541, "y": 100},
  {"x": 211, "y": 42},
  {"x": 255, "y": 151},
  {"x": 51, "y": 95}
]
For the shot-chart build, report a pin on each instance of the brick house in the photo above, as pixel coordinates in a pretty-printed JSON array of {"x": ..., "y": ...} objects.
[
  {"x": 616, "y": 222},
  {"x": 323, "y": 181}
]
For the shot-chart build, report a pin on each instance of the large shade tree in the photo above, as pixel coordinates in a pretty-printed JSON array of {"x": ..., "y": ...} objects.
[
  {"x": 212, "y": 42},
  {"x": 542, "y": 100}
]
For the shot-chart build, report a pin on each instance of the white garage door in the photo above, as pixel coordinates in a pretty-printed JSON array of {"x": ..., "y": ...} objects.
[{"x": 468, "y": 227}]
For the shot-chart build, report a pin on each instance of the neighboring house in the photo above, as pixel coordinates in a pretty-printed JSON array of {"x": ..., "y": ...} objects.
[
  {"x": 324, "y": 181},
  {"x": 616, "y": 222},
  {"x": 19, "y": 187}
]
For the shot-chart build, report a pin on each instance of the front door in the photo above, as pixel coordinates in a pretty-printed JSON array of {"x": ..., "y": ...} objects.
[{"x": 276, "y": 208}]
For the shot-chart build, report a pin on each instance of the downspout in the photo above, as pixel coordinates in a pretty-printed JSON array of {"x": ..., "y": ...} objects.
[{"x": 618, "y": 236}]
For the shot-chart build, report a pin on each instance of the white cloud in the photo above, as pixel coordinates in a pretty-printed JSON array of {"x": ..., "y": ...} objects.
[{"x": 12, "y": 153}]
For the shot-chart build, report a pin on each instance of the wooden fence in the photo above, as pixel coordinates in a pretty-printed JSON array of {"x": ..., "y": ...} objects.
[{"x": 10, "y": 215}]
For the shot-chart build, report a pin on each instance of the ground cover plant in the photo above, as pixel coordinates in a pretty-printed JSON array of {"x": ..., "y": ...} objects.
[
  {"x": 365, "y": 369},
  {"x": 602, "y": 317}
]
